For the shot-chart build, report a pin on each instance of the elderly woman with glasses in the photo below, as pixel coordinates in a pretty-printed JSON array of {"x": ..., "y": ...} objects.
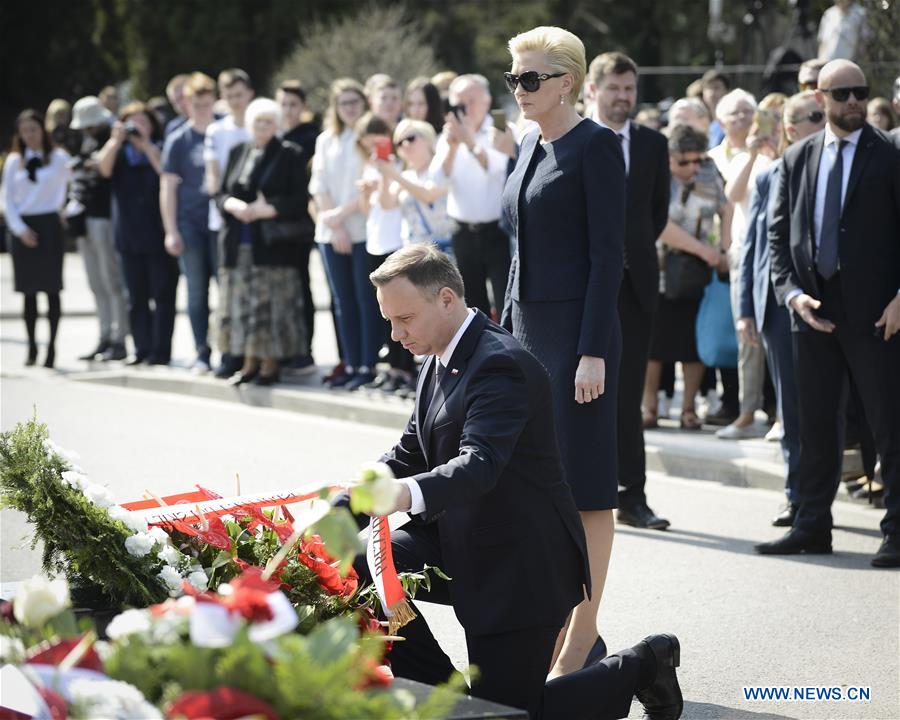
[
  {"x": 263, "y": 202},
  {"x": 566, "y": 201},
  {"x": 689, "y": 250}
]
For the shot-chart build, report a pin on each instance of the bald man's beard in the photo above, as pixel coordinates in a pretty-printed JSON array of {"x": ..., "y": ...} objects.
[{"x": 849, "y": 123}]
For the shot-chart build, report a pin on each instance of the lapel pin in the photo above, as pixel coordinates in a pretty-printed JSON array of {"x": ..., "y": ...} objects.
[{"x": 454, "y": 371}]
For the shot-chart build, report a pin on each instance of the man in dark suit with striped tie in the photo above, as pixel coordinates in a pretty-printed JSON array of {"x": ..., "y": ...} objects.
[
  {"x": 834, "y": 239},
  {"x": 612, "y": 86}
]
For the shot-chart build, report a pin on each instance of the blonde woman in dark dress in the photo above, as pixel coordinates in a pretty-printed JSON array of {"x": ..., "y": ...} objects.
[{"x": 566, "y": 199}]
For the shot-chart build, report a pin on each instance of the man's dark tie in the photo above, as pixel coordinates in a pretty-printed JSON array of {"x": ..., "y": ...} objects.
[
  {"x": 622, "y": 145},
  {"x": 827, "y": 256},
  {"x": 436, "y": 381}
]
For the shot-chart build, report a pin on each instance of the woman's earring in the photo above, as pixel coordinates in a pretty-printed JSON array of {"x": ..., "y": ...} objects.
[{"x": 562, "y": 99}]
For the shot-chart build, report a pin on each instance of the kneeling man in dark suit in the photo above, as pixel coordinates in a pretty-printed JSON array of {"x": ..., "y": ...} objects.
[{"x": 483, "y": 482}]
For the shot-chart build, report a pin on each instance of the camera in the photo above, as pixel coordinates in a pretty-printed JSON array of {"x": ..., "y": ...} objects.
[
  {"x": 458, "y": 110},
  {"x": 131, "y": 130}
]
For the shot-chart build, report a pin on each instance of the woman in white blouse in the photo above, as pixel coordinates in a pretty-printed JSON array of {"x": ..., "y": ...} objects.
[
  {"x": 341, "y": 233},
  {"x": 35, "y": 176}
]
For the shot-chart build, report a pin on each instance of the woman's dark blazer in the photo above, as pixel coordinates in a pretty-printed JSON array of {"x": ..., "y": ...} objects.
[
  {"x": 282, "y": 178},
  {"x": 576, "y": 252}
]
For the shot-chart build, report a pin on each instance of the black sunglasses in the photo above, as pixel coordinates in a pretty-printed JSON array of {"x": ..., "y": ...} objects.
[
  {"x": 860, "y": 92},
  {"x": 809, "y": 85},
  {"x": 816, "y": 116},
  {"x": 695, "y": 161},
  {"x": 530, "y": 79},
  {"x": 407, "y": 139}
]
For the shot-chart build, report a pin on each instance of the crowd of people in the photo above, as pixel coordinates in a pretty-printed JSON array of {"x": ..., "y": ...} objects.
[{"x": 220, "y": 185}]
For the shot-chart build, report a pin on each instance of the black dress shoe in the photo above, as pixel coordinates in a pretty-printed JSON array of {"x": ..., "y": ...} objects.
[
  {"x": 229, "y": 366},
  {"x": 116, "y": 351},
  {"x": 32, "y": 356},
  {"x": 785, "y": 517},
  {"x": 102, "y": 347},
  {"x": 137, "y": 360},
  {"x": 797, "y": 542},
  {"x": 641, "y": 516},
  {"x": 597, "y": 653},
  {"x": 50, "y": 358},
  {"x": 662, "y": 699},
  {"x": 722, "y": 417},
  {"x": 888, "y": 555},
  {"x": 266, "y": 380}
]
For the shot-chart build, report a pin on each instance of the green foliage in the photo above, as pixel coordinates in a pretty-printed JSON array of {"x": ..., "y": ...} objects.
[
  {"x": 381, "y": 37},
  {"x": 80, "y": 539}
]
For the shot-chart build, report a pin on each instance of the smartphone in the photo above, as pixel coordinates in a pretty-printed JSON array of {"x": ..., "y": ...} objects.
[
  {"x": 383, "y": 148},
  {"x": 765, "y": 124},
  {"x": 499, "y": 118}
]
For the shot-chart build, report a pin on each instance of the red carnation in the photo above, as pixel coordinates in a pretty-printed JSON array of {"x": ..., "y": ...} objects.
[{"x": 223, "y": 703}]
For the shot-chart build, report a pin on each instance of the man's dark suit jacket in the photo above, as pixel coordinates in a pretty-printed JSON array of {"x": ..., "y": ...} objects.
[
  {"x": 646, "y": 210},
  {"x": 868, "y": 235},
  {"x": 485, "y": 456}
]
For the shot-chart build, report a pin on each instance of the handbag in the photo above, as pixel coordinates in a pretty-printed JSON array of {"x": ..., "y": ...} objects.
[
  {"x": 442, "y": 243},
  {"x": 716, "y": 339},
  {"x": 686, "y": 275}
]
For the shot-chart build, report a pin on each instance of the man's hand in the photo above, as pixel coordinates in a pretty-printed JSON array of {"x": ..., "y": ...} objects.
[
  {"x": 29, "y": 238},
  {"x": 746, "y": 330},
  {"x": 890, "y": 318},
  {"x": 804, "y": 305},
  {"x": 174, "y": 243},
  {"x": 590, "y": 379}
]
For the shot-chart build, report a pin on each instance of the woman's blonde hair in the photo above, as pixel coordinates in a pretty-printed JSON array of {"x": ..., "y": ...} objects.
[
  {"x": 56, "y": 107},
  {"x": 419, "y": 127},
  {"x": 564, "y": 52},
  {"x": 333, "y": 123}
]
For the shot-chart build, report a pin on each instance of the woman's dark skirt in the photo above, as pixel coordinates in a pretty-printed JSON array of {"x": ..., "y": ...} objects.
[
  {"x": 586, "y": 433},
  {"x": 39, "y": 269},
  {"x": 674, "y": 331}
]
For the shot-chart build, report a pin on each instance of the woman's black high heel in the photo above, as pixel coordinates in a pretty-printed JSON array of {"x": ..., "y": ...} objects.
[{"x": 32, "y": 355}]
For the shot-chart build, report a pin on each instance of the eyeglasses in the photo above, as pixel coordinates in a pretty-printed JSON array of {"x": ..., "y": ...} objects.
[
  {"x": 860, "y": 92},
  {"x": 809, "y": 85},
  {"x": 407, "y": 139},
  {"x": 816, "y": 116},
  {"x": 694, "y": 161},
  {"x": 530, "y": 79}
]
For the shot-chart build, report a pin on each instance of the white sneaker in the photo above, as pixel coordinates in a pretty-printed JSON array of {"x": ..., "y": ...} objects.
[
  {"x": 663, "y": 406},
  {"x": 713, "y": 402},
  {"x": 735, "y": 432},
  {"x": 775, "y": 432},
  {"x": 200, "y": 366}
]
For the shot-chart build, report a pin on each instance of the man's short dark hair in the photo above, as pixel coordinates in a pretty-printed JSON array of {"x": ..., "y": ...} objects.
[
  {"x": 712, "y": 75},
  {"x": 424, "y": 265},
  {"x": 228, "y": 78},
  {"x": 687, "y": 138},
  {"x": 611, "y": 63},
  {"x": 294, "y": 87}
]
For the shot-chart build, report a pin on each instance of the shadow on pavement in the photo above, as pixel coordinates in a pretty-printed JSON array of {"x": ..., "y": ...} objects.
[
  {"x": 710, "y": 711},
  {"x": 840, "y": 559}
]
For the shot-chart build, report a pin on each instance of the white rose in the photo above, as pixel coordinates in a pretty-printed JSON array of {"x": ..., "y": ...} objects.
[
  {"x": 128, "y": 623},
  {"x": 38, "y": 600},
  {"x": 171, "y": 578},
  {"x": 139, "y": 544},
  {"x": 98, "y": 495},
  {"x": 169, "y": 555},
  {"x": 198, "y": 579},
  {"x": 378, "y": 491}
]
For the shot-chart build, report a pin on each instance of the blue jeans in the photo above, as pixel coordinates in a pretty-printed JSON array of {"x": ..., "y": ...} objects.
[
  {"x": 198, "y": 263},
  {"x": 359, "y": 321}
]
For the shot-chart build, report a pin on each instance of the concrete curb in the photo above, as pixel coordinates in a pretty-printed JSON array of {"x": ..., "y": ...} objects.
[{"x": 698, "y": 456}]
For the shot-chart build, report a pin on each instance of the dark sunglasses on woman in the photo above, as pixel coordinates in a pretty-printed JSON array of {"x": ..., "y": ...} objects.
[
  {"x": 816, "y": 116},
  {"x": 408, "y": 139},
  {"x": 530, "y": 79},
  {"x": 860, "y": 92}
]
